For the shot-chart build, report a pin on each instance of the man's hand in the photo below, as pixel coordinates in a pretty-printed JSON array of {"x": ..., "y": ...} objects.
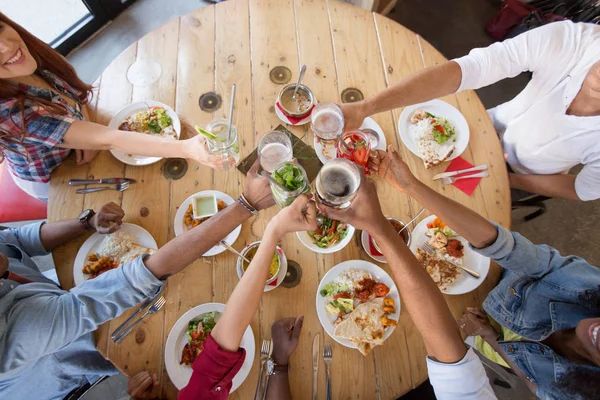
[
  {"x": 285, "y": 334},
  {"x": 365, "y": 211},
  {"x": 142, "y": 385},
  {"x": 257, "y": 189},
  {"x": 474, "y": 322},
  {"x": 301, "y": 215},
  {"x": 354, "y": 115},
  {"x": 389, "y": 166},
  {"x": 108, "y": 219}
]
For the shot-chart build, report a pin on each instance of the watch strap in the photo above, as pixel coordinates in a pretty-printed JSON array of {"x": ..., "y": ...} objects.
[{"x": 85, "y": 221}]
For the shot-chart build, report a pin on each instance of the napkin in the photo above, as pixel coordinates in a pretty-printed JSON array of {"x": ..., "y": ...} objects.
[
  {"x": 292, "y": 120},
  {"x": 274, "y": 283},
  {"x": 466, "y": 185}
]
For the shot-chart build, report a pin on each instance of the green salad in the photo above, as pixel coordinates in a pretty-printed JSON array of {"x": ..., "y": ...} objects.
[
  {"x": 329, "y": 232},
  {"x": 199, "y": 328},
  {"x": 442, "y": 129}
]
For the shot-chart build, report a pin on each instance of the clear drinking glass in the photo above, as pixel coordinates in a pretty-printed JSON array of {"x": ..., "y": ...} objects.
[
  {"x": 337, "y": 183},
  {"x": 284, "y": 198},
  {"x": 327, "y": 123},
  {"x": 274, "y": 148},
  {"x": 355, "y": 146},
  {"x": 226, "y": 147}
]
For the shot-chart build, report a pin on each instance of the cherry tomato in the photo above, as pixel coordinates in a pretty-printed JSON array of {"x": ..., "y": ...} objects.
[{"x": 381, "y": 290}]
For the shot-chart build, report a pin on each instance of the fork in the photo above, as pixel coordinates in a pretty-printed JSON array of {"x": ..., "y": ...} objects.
[
  {"x": 327, "y": 358},
  {"x": 427, "y": 248},
  {"x": 158, "y": 304},
  {"x": 265, "y": 352},
  {"x": 118, "y": 187},
  {"x": 452, "y": 179}
]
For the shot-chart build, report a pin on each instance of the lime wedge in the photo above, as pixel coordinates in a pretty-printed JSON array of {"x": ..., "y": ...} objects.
[{"x": 205, "y": 133}]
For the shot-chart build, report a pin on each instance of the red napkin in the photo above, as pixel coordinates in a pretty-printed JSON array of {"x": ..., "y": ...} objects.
[
  {"x": 374, "y": 251},
  {"x": 274, "y": 283},
  {"x": 466, "y": 185},
  {"x": 293, "y": 120}
]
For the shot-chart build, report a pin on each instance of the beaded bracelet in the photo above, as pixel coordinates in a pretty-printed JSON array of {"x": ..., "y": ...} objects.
[{"x": 242, "y": 200}]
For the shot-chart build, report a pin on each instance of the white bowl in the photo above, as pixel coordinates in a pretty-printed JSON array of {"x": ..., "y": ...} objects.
[
  {"x": 282, "y": 267},
  {"x": 310, "y": 243}
]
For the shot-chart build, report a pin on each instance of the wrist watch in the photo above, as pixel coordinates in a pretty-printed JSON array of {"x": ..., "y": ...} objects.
[
  {"x": 273, "y": 368},
  {"x": 85, "y": 217}
]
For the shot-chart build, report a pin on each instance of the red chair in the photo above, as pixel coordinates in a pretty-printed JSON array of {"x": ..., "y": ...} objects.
[{"x": 15, "y": 204}]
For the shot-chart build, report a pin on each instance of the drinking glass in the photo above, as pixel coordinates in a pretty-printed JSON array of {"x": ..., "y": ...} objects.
[
  {"x": 274, "y": 148},
  {"x": 327, "y": 123},
  {"x": 284, "y": 198},
  {"x": 356, "y": 147},
  {"x": 226, "y": 147},
  {"x": 337, "y": 183}
]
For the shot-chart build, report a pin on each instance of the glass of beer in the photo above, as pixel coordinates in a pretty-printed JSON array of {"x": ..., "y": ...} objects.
[{"x": 337, "y": 183}]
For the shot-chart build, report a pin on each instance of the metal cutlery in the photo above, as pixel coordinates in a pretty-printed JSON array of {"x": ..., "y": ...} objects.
[
  {"x": 273, "y": 180},
  {"x": 327, "y": 358},
  {"x": 315, "y": 357},
  {"x": 118, "y": 187},
  {"x": 412, "y": 220},
  {"x": 300, "y": 76},
  {"x": 234, "y": 251},
  {"x": 462, "y": 171},
  {"x": 427, "y": 248},
  {"x": 107, "y": 181},
  {"x": 145, "y": 304},
  {"x": 265, "y": 353},
  {"x": 152, "y": 310},
  {"x": 450, "y": 180},
  {"x": 373, "y": 135}
]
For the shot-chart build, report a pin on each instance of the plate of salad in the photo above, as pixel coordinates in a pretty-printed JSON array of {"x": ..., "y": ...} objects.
[
  {"x": 293, "y": 177},
  {"x": 331, "y": 235},
  {"x": 147, "y": 117},
  {"x": 446, "y": 126},
  {"x": 186, "y": 342}
]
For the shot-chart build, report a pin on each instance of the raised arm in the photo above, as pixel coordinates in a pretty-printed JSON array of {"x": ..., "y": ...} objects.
[{"x": 432, "y": 318}]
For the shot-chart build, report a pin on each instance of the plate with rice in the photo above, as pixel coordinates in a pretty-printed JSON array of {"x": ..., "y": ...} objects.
[
  {"x": 101, "y": 253},
  {"x": 435, "y": 131}
]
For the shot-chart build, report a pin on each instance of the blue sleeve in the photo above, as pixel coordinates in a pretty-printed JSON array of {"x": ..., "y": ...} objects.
[
  {"x": 517, "y": 254},
  {"x": 43, "y": 319},
  {"x": 26, "y": 238}
]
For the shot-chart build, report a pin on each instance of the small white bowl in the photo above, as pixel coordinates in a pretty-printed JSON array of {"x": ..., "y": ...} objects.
[
  {"x": 210, "y": 197},
  {"x": 310, "y": 243},
  {"x": 282, "y": 260}
]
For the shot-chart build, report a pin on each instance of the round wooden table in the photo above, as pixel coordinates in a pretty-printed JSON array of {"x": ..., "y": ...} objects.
[{"x": 240, "y": 41}]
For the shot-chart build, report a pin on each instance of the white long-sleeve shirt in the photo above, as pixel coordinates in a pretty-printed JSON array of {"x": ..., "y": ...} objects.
[{"x": 537, "y": 134}]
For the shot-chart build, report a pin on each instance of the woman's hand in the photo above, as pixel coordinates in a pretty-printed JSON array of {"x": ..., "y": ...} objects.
[
  {"x": 257, "y": 189},
  {"x": 474, "y": 322},
  {"x": 389, "y": 166},
  {"x": 301, "y": 215},
  {"x": 142, "y": 385},
  {"x": 365, "y": 211},
  {"x": 85, "y": 156},
  {"x": 285, "y": 334},
  {"x": 196, "y": 149}
]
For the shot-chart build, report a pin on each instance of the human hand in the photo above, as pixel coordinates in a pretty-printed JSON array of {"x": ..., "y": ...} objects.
[
  {"x": 474, "y": 322},
  {"x": 389, "y": 166},
  {"x": 354, "y": 115},
  {"x": 285, "y": 334},
  {"x": 85, "y": 156},
  {"x": 142, "y": 385},
  {"x": 365, "y": 211},
  {"x": 108, "y": 219},
  {"x": 197, "y": 149},
  {"x": 257, "y": 189},
  {"x": 301, "y": 215}
]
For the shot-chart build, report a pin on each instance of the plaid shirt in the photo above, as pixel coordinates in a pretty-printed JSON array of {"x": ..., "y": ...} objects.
[{"x": 45, "y": 130}]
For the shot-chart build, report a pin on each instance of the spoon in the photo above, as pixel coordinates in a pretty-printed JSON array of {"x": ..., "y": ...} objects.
[
  {"x": 412, "y": 220},
  {"x": 300, "y": 76},
  {"x": 273, "y": 180}
]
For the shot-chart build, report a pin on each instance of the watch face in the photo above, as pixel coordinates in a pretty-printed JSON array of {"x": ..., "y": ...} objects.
[
  {"x": 84, "y": 215},
  {"x": 270, "y": 367}
]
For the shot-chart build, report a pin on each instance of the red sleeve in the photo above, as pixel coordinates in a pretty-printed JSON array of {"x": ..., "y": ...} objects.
[{"x": 213, "y": 372}]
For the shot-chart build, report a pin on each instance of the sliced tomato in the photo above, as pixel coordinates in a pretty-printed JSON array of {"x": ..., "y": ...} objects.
[
  {"x": 342, "y": 295},
  {"x": 196, "y": 335},
  {"x": 440, "y": 129}
]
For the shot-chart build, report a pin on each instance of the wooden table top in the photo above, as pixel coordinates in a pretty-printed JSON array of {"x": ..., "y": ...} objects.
[{"x": 240, "y": 41}]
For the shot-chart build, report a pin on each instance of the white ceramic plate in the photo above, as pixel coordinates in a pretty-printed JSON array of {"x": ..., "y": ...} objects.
[
  {"x": 380, "y": 275},
  {"x": 91, "y": 245},
  {"x": 310, "y": 244},
  {"x": 441, "y": 109},
  {"x": 367, "y": 123},
  {"x": 181, "y": 374},
  {"x": 180, "y": 228},
  {"x": 472, "y": 260},
  {"x": 364, "y": 240},
  {"x": 132, "y": 109}
]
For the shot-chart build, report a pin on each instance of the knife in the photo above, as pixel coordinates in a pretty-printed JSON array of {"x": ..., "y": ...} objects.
[
  {"x": 315, "y": 355},
  {"x": 462, "y": 171},
  {"x": 108, "y": 181},
  {"x": 145, "y": 304}
]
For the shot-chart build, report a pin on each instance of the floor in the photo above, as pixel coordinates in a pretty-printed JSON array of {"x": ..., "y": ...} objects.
[{"x": 453, "y": 27}]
